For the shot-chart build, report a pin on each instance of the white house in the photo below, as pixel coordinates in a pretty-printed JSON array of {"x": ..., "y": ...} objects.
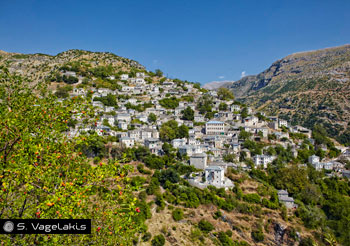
[
  {"x": 124, "y": 117},
  {"x": 215, "y": 128},
  {"x": 235, "y": 107},
  {"x": 132, "y": 100},
  {"x": 127, "y": 142},
  {"x": 189, "y": 150},
  {"x": 282, "y": 123},
  {"x": 140, "y": 75},
  {"x": 251, "y": 121},
  {"x": 263, "y": 130},
  {"x": 140, "y": 81},
  {"x": 146, "y": 133},
  {"x": 314, "y": 159},
  {"x": 109, "y": 109},
  {"x": 127, "y": 89},
  {"x": 79, "y": 91},
  {"x": 215, "y": 175},
  {"x": 124, "y": 76},
  {"x": 123, "y": 125},
  {"x": 135, "y": 134},
  {"x": 142, "y": 118},
  {"x": 153, "y": 144},
  {"x": 176, "y": 143},
  {"x": 263, "y": 160},
  {"x": 328, "y": 165},
  {"x": 168, "y": 84},
  {"x": 199, "y": 118}
]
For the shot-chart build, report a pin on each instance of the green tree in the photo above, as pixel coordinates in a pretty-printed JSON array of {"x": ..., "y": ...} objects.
[
  {"x": 229, "y": 157},
  {"x": 197, "y": 86},
  {"x": 204, "y": 104},
  {"x": 225, "y": 94},
  {"x": 205, "y": 226},
  {"x": 43, "y": 176},
  {"x": 168, "y": 130},
  {"x": 63, "y": 92},
  {"x": 223, "y": 106},
  {"x": 177, "y": 214},
  {"x": 70, "y": 79},
  {"x": 152, "y": 118},
  {"x": 169, "y": 103},
  {"x": 92, "y": 146},
  {"x": 182, "y": 132},
  {"x": 244, "y": 112},
  {"x": 188, "y": 114},
  {"x": 158, "y": 73},
  {"x": 244, "y": 135},
  {"x": 109, "y": 100}
]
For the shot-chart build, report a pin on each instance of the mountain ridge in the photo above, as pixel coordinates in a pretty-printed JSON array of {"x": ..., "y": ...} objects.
[
  {"x": 216, "y": 84},
  {"x": 306, "y": 88}
]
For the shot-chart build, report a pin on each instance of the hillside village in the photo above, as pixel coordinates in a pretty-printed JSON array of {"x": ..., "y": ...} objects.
[
  {"x": 211, "y": 145},
  {"x": 218, "y": 170}
]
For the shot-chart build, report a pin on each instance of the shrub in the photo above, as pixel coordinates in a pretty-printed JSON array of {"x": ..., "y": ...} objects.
[
  {"x": 258, "y": 235},
  {"x": 146, "y": 237},
  {"x": 177, "y": 214},
  {"x": 224, "y": 239},
  {"x": 252, "y": 198},
  {"x": 142, "y": 195},
  {"x": 205, "y": 226},
  {"x": 229, "y": 233},
  {"x": 169, "y": 103},
  {"x": 158, "y": 240},
  {"x": 217, "y": 214},
  {"x": 306, "y": 242}
]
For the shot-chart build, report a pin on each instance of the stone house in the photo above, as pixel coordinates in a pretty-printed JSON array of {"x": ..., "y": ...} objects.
[
  {"x": 263, "y": 160},
  {"x": 127, "y": 141},
  {"x": 199, "y": 160},
  {"x": 284, "y": 198}
]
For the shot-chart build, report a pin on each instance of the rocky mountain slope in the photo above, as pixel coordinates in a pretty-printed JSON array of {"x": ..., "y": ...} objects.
[{"x": 306, "y": 88}]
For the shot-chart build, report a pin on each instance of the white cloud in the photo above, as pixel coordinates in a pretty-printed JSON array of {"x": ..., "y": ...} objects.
[
  {"x": 243, "y": 74},
  {"x": 221, "y": 77}
]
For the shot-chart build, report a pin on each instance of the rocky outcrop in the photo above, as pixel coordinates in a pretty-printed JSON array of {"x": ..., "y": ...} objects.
[{"x": 280, "y": 230}]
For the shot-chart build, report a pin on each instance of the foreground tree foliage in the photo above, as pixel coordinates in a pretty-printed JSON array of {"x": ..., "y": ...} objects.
[{"x": 41, "y": 175}]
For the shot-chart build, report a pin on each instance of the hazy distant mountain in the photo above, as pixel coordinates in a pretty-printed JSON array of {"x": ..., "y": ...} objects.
[
  {"x": 216, "y": 84},
  {"x": 305, "y": 88}
]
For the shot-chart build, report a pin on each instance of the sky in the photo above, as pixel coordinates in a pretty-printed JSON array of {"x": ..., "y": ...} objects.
[{"x": 194, "y": 40}]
